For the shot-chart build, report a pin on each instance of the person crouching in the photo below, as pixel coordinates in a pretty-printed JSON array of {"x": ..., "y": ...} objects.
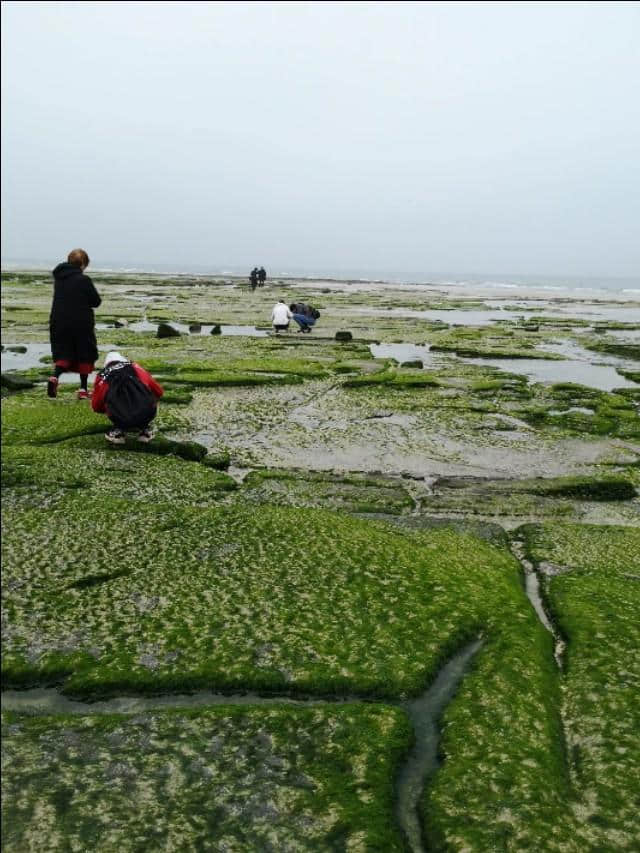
[{"x": 128, "y": 395}]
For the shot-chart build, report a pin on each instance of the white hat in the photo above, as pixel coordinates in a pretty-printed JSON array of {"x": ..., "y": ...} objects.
[{"x": 113, "y": 356}]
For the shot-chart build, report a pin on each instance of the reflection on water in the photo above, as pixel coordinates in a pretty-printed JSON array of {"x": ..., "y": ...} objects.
[
  {"x": 401, "y": 352},
  {"x": 602, "y": 377}
]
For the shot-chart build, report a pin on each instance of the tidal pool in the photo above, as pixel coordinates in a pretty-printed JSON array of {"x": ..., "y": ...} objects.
[
  {"x": 19, "y": 361},
  {"x": 402, "y": 352},
  {"x": 602, "y": 377}
]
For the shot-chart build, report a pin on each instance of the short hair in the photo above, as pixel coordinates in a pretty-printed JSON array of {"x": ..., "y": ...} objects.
[{"x": 78, "y": 257}]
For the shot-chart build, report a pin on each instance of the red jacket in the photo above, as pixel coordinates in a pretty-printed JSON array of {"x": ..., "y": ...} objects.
[{"x": 101, "y": 386}]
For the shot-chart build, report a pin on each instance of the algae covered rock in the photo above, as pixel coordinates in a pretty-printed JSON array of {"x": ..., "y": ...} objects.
[
  {"x": 13, "y": 382},
  {"x": 344, "y": 336},
  {"x": 195, "y": 327},
  {"x": 216, "y": 330},
  {"x": 167, "y": 331},
  {"x": 414, "y": 362}
]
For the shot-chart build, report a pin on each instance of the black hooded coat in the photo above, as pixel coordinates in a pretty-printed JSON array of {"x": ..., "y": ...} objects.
[{"x": 71, "y": 323}]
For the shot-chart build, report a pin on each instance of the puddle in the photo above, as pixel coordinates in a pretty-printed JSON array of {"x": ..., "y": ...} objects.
[
  {"x": 577, "y": 409},
  {"x": 20, "y": 361},
  {"x": 477, "y": 317},
  {"x": 24, "y": 360},
  {"x": 453, "y": 317},
  {"x": 602, "y": 377},
  {"x": 402, "y": 352},
  {"x": 625, "y": 335},
  {"x": 425, "y": 713},
  {"x": 571, "y": 350}
]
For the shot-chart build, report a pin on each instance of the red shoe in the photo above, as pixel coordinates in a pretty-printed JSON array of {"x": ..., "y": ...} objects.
[
  {"x": 52, "y": 387},
  {"x": 83, "y": 395}
]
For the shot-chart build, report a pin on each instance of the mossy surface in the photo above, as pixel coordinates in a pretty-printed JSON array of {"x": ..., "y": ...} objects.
[
  {"x": 231, "y": 779},
  {"x": 594, "y": 594},
  {"x": 357, "y": 494},
  {"x": 366, "y": 547},
  {"x": 346, "y": 610}
]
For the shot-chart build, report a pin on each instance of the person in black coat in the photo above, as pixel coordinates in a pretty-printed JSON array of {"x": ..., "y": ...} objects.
[
  {"x": 71, "y": 323},
  {"x": 253, "y": 278},
  {"x": 262, "y": 276}
]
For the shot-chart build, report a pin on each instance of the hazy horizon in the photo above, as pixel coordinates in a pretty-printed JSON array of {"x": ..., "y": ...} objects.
[{"x": 481, "y": 138}]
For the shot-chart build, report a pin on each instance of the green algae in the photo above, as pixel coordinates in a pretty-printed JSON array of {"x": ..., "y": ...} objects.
[
  {"x": 595, "y": 603},
  {"x": 232, "y": 778},
  {"x": 310, "y": 635},
  {"x": 358, "y": 494},
  {"x": 199, "y": 583}
]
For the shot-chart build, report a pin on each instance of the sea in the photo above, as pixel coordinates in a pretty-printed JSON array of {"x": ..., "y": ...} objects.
[{"x": 627, "y": 287}]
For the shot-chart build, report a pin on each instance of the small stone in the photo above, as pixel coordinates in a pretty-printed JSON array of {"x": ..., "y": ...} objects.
[
  {"x": 167, "y": 331},
  {"x": 415, "y": 362},
  {"x": 216, "y": 330},
  {"x": 16, "y": 348},
  {"x": 344, "y": 336},
  {"x": 195, "y": 327}
]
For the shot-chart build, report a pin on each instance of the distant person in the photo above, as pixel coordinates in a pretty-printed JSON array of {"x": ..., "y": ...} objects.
[
  {"x": 280, "y": 317},
  {"x": 253, "y": 278},
  {"x": 128, "y": 395},
  {"x": 262, "y": 276},
  {"x": 72, "y": 323},
  {"x": 304, "y": 315}
]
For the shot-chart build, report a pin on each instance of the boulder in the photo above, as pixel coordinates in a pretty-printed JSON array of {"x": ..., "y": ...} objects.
[
  {"x": 195, "y": 327},
  {"x": 167, "y": 331},
  {"x": 15, "y": 383},
  {"x": 216, "y": 330},
  {"x": 414, "y": 362},
  {"x": 344, "y": 336}
]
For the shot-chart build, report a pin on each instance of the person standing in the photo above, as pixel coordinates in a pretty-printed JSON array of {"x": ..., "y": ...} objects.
[
  {"x": 253, "y": 278},
  {"x": 72, "y": 322},
  {"x": 280, "y": 317},
  {"x": 262, "y": 276}
]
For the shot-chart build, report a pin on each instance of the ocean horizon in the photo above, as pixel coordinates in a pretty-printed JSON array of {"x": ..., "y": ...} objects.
[{"x": 629, "y": 285}]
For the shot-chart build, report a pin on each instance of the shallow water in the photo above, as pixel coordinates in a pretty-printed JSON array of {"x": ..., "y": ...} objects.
[
  {"x": 20, "y": 361},
  {"x": 629, "y": 313},
  {"x": 425, "y": 712},
  {"x": 49, "y": 700},
  {"x": 602, "y": 377},
  {"x": 571, "y": 350},
  {"x": 402, "y": 352}
]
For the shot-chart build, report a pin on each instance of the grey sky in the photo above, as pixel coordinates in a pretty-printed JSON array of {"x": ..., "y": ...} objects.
[{"x": 461, "y": 137}]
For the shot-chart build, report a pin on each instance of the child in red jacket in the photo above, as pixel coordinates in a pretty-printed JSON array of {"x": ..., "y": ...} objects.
[{"x": 128, "y": 395}]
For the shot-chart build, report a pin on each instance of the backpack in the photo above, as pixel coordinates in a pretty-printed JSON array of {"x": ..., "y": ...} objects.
[
  {"x": 129, "y": 402},
  {"x": 313, "y": 312}
]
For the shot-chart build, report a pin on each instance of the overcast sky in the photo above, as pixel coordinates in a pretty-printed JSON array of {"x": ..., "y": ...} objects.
[{"x": 455, "y": 137}]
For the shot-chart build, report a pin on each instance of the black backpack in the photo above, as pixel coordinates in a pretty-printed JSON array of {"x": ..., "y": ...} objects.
[
  {"x": 130, "y": 404},
  {"x": 313, "y": 312}
]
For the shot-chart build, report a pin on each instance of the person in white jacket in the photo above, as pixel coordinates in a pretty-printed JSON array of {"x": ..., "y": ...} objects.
[{"x": 280, "y": 317}]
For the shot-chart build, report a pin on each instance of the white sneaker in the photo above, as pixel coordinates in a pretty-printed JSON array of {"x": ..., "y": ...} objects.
[{"x": 115, "y": 436}]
